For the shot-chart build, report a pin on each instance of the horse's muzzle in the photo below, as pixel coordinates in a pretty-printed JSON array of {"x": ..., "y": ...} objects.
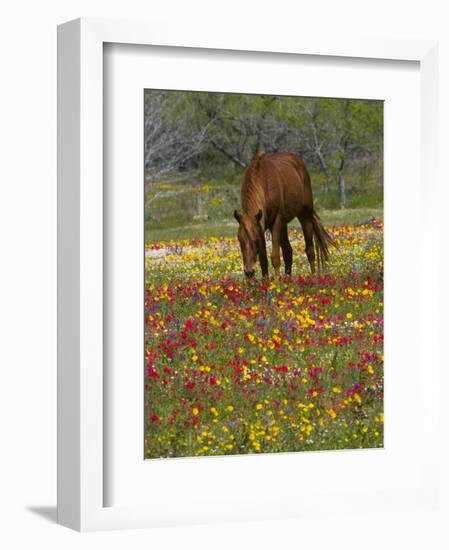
[{"x": 250, "y": 274}]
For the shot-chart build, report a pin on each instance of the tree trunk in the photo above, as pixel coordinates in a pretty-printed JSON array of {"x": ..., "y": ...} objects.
[
  {"x": 341, "y": 185},
  {"x": 199, "y": 204},
  {"x": 200, "y": 215}
]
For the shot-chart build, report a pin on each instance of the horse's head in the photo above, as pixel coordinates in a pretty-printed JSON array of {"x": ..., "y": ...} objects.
[{"x": 251, "y": 239}]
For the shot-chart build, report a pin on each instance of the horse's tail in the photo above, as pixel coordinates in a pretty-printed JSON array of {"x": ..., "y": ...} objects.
[{"x": 322, "y": 241}]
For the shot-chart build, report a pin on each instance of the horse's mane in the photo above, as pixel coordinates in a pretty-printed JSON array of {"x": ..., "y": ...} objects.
[{"x": 252, "y": 194}]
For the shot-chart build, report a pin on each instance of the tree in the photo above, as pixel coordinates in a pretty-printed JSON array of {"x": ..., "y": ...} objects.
[
  {"x": 204, "y": 131},
  {"x": 172, "y": 137},
  {"x": 335, "y": 132},
  {"x": 241, "y": 125}
]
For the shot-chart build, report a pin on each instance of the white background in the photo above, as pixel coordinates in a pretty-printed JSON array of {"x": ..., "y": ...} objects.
[{"x": 28, "y": 270}]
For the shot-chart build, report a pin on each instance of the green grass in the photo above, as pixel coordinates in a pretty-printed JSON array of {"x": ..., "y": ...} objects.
[
  {"x": 228, "y": 227},
  {"x": 172, "y": 214}
]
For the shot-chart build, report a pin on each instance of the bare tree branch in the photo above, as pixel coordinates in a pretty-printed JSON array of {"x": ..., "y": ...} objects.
[{"x": 230, "y": 156}]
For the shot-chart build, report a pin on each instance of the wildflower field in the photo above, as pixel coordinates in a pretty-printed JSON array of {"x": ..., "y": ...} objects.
[{"x": 293, "y": 364}]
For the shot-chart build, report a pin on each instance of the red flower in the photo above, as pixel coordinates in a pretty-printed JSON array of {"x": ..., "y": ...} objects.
[{"x": 152, "y": 372}]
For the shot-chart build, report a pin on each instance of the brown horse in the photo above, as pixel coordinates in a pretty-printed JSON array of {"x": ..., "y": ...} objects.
[{"x": 276, "y": 189}]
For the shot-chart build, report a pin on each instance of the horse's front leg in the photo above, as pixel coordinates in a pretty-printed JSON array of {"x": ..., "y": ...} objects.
[
  {"x": 276, "y": 245},
  {"x": 263, "y": 260}
]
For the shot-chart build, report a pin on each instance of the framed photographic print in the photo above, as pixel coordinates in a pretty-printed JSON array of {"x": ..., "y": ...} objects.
[{"x": 237, "y": 219}]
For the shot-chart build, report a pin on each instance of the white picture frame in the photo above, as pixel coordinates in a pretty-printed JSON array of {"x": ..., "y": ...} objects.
[{"x": 81, "y": 489}]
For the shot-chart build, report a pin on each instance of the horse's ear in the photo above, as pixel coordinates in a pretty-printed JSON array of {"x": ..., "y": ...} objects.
[
  {"x": 259, "y": 216},
  {"x": 237, "y": 216}
]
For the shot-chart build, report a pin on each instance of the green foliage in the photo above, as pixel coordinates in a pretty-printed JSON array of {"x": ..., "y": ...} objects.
[{"x": 215, "y": 135}]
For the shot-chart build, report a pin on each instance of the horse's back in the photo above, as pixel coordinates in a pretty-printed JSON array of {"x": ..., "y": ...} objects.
[{"x": 286, "y": 184}]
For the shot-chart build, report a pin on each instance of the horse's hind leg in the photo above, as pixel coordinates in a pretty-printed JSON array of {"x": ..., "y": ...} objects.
[
  {"x": 287, "y": 252},
  {"x": 307, "y": 227},
  {"x": 275, "y": 244}
]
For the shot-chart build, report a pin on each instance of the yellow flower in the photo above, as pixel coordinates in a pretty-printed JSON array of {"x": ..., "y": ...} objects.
[
  {"x": 349, "y": 316},
  {"x": 259, "y": 406},
  {"x": 195, "y": 411},
  {"x": 336, "y": 390},
  {"x": 230, "y": 408},
  {"x": 331, "y": 413}
]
